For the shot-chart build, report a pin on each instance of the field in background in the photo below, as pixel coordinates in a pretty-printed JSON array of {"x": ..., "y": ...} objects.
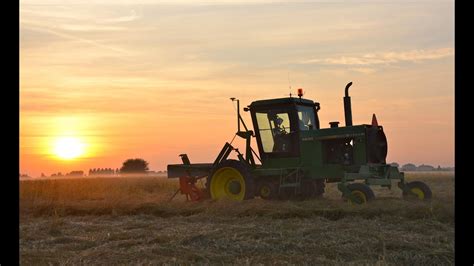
[{"x": 130, "y": 220}]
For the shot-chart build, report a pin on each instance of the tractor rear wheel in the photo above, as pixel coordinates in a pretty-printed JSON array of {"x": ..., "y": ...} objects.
[
  {"x": 232, "y": 180},
  {"x": 417, "y": 190},
  {"x": 361, "y": 193}
]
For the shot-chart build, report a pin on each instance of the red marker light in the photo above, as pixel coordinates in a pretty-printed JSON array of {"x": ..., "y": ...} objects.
[{"x": 300, "y": 92}]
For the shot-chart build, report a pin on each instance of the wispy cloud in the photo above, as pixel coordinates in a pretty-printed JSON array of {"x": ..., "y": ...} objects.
[
  {"x": 89, "y": 28},
  {"x": 364, "y": 70},
  {"x": 44, "y": 29},
  {"x": 384, "y": 58},
  {"x": 132, "y": 17}
]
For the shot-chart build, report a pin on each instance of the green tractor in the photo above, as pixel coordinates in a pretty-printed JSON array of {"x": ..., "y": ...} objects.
[{"x": 297, "y": 157}]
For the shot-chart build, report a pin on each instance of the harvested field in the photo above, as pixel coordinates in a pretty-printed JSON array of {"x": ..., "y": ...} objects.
[{"x": 129, "y": 220}]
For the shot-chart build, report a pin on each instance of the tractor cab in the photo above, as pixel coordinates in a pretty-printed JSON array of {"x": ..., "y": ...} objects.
[{"x": 278, "y": 123}]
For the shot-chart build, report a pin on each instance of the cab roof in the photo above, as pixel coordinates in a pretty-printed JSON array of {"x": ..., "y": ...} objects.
[{"x": 279, "y": 101}]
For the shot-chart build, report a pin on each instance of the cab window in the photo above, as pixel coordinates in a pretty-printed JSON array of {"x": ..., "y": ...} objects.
[
  {"x": 274, "y": 129},
  {"x": 306, "y": 118}
]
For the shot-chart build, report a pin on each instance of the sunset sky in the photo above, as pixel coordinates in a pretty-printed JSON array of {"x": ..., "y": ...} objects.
[{"x": 152, "y": 79}]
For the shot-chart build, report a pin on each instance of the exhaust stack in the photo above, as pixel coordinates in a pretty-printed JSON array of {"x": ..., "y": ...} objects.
[{"x": 347, "y": 106}]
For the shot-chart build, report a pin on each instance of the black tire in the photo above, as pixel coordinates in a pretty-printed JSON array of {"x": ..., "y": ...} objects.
[
  {"x": 248, "y": 180},
  {"x": 377, "y": 145},
  {"x": 417, "y": 190},
  {"x": 362, "y": 192},
  {"x": 267, "y": 190}
]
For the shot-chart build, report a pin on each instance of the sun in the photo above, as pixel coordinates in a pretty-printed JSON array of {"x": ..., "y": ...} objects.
[{"x": 68, "y": 148}]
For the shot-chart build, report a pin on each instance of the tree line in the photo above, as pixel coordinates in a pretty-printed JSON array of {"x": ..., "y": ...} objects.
[
  {"x": 423, "y": 167},
  {"x": 129, "y": 166}
]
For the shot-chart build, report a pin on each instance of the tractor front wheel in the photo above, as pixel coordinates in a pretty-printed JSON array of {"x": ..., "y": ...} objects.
[
  {"x": 231, "y": 180},
  {"x": 360, "y": 193},
  {"x": 417, "y": 190}
]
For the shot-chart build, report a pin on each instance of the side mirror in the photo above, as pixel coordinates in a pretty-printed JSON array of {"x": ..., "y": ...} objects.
[{"x": 317, "y": 106}]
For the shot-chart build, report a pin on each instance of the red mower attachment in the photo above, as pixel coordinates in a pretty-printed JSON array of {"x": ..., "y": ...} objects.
[{"x": 187, "y": 186}]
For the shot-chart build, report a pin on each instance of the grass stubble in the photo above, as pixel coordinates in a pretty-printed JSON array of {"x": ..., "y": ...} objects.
[{"x": 131, "y": 221}]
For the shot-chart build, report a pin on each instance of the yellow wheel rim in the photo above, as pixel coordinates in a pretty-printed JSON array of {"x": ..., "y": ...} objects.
[
  {"x": 360, "y": 195},
  {"x": 227, "y": 182},
  {"x": 418, "y": 193},
  {"x": 265, "y": 191}
]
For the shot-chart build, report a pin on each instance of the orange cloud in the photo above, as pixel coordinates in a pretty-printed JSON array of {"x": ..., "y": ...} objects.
[{"x": 385, "y": 57}]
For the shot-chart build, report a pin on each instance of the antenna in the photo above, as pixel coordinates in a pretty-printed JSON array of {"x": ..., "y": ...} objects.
[{"x": 289, "y": 83}]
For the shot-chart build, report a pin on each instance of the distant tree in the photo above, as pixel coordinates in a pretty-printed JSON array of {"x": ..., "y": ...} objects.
[
  {"x": 42, "y": 175},
  {"x": 409, "y": 167},
  {"x": 134, "y": 166},
  {"x": 425, "y": 167},
  {"x": 76, "y": 173}
]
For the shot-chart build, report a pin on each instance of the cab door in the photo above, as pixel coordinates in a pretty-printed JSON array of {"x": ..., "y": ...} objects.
[{"x": 276, "y": 130}]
